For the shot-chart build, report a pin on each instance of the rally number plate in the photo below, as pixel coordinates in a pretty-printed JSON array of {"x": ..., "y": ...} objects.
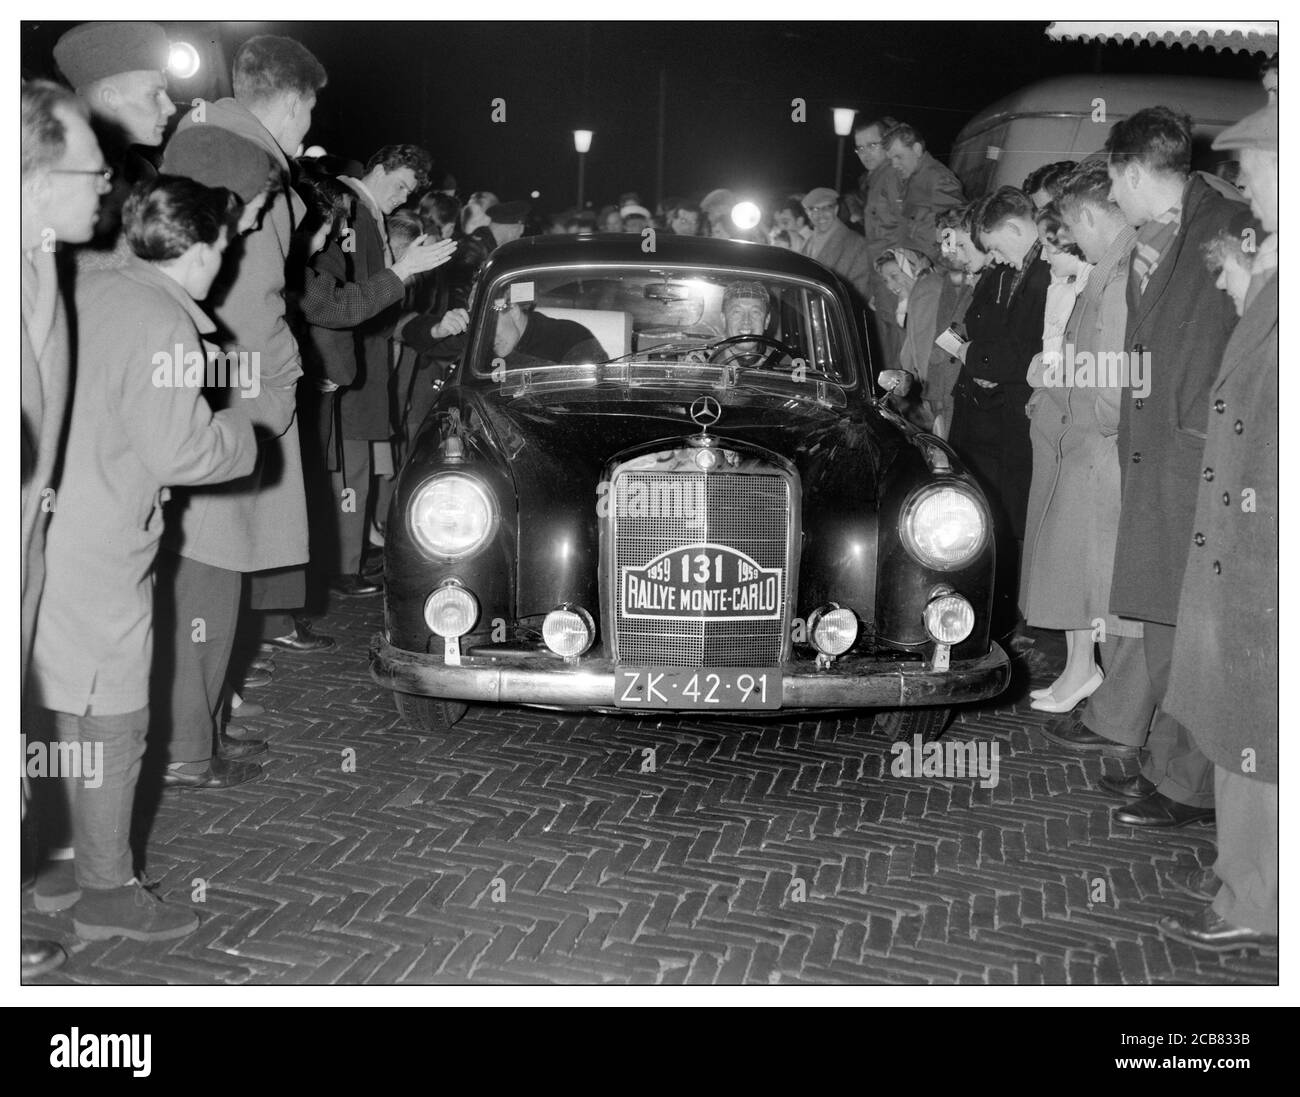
[{"x": 695, "y": 688}]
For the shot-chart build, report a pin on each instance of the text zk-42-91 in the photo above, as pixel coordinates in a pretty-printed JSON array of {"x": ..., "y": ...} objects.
[{"x": 702, "y": 582}]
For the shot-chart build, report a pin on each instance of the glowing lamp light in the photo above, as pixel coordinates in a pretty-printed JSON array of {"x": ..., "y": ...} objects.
[
  {"x": 582, "y": 140},
  {"x": 843, "y": 120},
  {"x": 182, "y": 60},
  {"x": 534, "y": 194},
  {"x": 314, "y": 152},
  {"x": 745, "y": 215}
]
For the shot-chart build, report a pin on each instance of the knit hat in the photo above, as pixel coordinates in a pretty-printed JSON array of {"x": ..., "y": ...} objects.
[
  {"x": 91, "y": 51},
  {"x": 216, "y": 157}
]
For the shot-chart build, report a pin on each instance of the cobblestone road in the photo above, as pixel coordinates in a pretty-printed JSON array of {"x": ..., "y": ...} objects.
[{"x": 532, "y": 847}]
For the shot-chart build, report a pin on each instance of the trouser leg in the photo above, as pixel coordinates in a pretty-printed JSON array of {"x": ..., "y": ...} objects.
[
  {"x": 1124, "y": 704},
  {"x": 351, "y": 501},
  {"x": 1246, "y": 814},
  {"x": 204, "y": 614},
  {"x": 1173, "y": 761},
  {"x": 50, "y": 795},
  {"x": 109, "y": 749}
]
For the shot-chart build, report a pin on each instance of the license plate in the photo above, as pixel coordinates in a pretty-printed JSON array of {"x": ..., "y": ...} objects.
[{"x": 693, "y": 688}]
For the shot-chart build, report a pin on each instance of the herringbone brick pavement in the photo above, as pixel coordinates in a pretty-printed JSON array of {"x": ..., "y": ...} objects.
[{"x": 538, "y": 847}]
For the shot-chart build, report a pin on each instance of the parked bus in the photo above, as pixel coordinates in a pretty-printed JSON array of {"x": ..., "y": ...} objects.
[{"x": 1067, "y": 117}]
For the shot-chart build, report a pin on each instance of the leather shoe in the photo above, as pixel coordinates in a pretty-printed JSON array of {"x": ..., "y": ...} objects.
[
  {"x": 1074, "y": 735},
  {"x": 302, "y": 639},
  {"x": 233, "y": 750},
  {"x": 40, "y": 957},
  {"x": 255, "y": 677},
  {"x": 373, "y": 565},
  {"x": 219, "y": 774},
  {"x": 1157, "y": 810},
  {"x": 1207, "y": 930},
  {"x": 354, "y": 586},
  {"x": 1136, "y": 787},
  {"x": 247, "y": 710},
  {"x": 1198, "y": 882}
]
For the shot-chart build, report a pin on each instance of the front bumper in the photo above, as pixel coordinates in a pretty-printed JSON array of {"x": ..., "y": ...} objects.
[{"x": 856, "y": 682}]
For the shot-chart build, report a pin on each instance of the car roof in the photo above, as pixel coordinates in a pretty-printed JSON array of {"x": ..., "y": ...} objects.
[{"x": 669, "y": 250}]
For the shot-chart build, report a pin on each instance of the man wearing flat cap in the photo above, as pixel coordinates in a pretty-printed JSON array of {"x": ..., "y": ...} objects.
[
  {"x": 120, "y": 70},
  {"x": 834, "y": 244},
  {"x": 1223, "y": 681},
  {"x": 506, "y": 221}
]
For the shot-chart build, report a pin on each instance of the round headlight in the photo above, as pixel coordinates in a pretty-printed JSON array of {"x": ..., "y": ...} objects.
[
  {"x": 452, "y": 516},
  {"x": 944, "y": 528},
  {"x": 568, "y": 631},
  {"x": 451, "y": 611},
  {"x": 949, "y": 618},
  {"x": 833, "y": 630}
]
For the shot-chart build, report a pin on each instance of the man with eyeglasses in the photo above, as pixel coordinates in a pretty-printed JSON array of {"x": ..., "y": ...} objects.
[
  {"x": 834, "y": 244},
  {"x": 120, "y": 71},
  {"x": 881, "y": 191},
  {"x": 62, "y": 180}
]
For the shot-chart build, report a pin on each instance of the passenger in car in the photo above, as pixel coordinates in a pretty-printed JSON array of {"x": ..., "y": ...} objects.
[{"x": 524, "y": 336}]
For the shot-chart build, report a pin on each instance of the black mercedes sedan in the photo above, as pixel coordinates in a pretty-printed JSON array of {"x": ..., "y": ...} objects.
[{"x": 661, "y": 480}]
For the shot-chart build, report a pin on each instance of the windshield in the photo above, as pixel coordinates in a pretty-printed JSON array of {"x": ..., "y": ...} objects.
[{"x": 659, "y": 320}]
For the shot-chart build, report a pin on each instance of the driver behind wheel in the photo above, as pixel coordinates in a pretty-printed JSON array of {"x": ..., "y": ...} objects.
[{"x": 745, "y": 309}]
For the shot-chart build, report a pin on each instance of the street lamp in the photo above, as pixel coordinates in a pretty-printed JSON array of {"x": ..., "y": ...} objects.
[
  {"x": 582, "y": 143},
  {"x": 843, "y": 127}
]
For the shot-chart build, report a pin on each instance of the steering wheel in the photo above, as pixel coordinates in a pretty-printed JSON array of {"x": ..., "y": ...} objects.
[{"x": 718, "y": 351}]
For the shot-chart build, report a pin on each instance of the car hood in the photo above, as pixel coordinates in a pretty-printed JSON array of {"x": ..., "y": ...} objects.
[{"x": 587, "y": 430}]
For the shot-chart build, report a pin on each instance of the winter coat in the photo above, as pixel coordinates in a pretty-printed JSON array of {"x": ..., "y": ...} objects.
[
  {"x": 259, "y": 521},
  {"x": 1223, "y": 681},
  {"x": 846, "y": 253},
  {"x": 1183, "y": 323},
  {"x": 44, "y": 387},
  {"x": 1073, "y": 515},
  {"x": 137, "y": 426}
]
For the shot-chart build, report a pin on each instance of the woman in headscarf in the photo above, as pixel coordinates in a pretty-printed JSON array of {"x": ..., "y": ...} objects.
[{"x": 911, "y": 278}]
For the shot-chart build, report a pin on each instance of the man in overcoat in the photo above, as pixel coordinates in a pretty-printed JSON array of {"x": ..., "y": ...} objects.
[
  {"x": 1178, "y": 325},
  {"x": 834, "y": 244},
  {"x": 1223, "y": 683},
  {"x": 59, "y": 196},
  {"x": 257, "y": 523}
]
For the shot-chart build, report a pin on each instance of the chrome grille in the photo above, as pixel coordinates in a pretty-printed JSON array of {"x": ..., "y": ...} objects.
[{"x": 749, "y": 512}]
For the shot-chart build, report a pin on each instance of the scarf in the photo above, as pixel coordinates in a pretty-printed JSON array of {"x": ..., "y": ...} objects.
[
  {"x": 913, "y": 264},
  {"x": 1153, "y": 240}
]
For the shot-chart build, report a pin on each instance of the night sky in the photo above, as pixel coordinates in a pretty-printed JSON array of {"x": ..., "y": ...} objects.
[{"x": 728, "y": 92}]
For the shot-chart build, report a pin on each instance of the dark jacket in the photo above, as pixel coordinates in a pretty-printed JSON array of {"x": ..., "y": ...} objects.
[
  {"x": 931, "y": 188},
  {"x": 1183, "y": 322},
  {"x": 365, "y": 407},
  {"x": 989, "y": 428},
  {"x": 1223, "y": 682}
]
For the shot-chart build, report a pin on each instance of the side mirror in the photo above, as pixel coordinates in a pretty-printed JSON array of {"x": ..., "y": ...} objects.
[{"x": 895, "y": 382}]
